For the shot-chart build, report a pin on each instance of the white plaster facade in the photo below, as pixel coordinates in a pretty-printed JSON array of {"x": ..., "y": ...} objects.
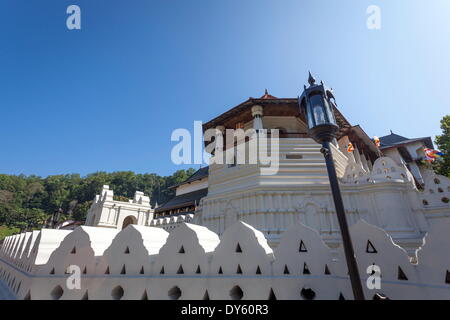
[
  {"x": 416, "y": 150},
  {"x": 192, "y": 262},
  {"x": 383, "y": 193},
  {"x": 109, "y": 213}
]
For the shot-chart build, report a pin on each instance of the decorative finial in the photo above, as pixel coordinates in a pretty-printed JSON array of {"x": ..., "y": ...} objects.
[
  {"x": 265, "y": 91},
  {"x": 311, "y": 79}
]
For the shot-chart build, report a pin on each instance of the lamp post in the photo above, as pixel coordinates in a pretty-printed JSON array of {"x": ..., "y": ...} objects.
[{"x": 317, "y": 102}]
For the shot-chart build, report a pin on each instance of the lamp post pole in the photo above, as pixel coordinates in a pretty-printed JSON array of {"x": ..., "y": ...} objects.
[
  {"x": 340, "y": 212},
  {"x": 317, "y": 103}
]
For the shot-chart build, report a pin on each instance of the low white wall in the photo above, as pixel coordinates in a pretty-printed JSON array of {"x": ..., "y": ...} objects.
[{"x": 193, "y": 262}]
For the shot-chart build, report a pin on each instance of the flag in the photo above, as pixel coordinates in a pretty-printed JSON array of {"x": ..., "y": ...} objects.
[
  {"x": 377, "y": 141},
  {"x": 350, "y": 147},
  {"x": 432, "y": 154}
]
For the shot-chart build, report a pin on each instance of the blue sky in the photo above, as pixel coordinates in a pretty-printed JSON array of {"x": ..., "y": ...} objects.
[{"x": 107, "y": 97}]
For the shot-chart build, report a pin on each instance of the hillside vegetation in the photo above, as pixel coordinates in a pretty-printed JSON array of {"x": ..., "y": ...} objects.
[{"x": 29, "y": 202}]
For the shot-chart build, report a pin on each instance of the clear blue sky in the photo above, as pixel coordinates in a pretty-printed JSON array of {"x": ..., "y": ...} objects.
[{"x": 107, "y": 97}]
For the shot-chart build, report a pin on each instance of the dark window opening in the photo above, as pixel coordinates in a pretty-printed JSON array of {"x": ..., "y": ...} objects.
[
  {"x": 370, "y": 248},
  {"x": 236, "y": 293},
  {"x": 308, "y": 294},
  {"x": 302, "y": 247}
]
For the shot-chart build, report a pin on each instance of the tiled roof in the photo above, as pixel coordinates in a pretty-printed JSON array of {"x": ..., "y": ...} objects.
[
  {"x": 393, "y": 139},
  {"x": 183, "y": 200},
  {"x": 266, "y": 100},
  {"x": 199, "y": 174}
]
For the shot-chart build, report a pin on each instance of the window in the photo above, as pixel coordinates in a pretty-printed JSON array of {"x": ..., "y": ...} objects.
[
  {"x": 239, "y": 270},
  {"x": 236, "y": 293},
  {"x": 180, "y": 270},
  {"x": 27, "y": 296},
  {"x": 370, "y": 248},
  {"x": 308, "y": 294},
  {"x": 174, "y": 293},
  {"x": 272, "y": 295},
  {"x": 117, "y": 293},
  {"x": 294, "y": 156},
  {"x": 57, "y": 293}
]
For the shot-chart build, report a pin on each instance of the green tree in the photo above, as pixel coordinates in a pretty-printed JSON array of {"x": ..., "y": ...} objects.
[
  {"x": 442, "y": 166},
  {"x": 80, "y": 212},
  {"x": 28, "y": 202}
]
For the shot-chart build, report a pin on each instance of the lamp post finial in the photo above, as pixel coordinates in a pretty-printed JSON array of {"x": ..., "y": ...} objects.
[{"x": 311, "y": 79}]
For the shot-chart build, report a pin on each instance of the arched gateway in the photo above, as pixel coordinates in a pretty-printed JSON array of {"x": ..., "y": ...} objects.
[{"x": 128, "y": 220}]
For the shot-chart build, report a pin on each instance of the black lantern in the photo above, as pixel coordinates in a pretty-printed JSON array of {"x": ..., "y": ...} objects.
[{"x": 317, "y": 103}]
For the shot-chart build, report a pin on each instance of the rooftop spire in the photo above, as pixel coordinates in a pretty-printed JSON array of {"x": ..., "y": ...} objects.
[
  {"x": 311, "y": 79},
  {"x": 267, "y": 95}
]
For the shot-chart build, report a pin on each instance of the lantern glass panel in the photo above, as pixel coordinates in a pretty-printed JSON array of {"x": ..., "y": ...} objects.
[
  {"x": 330, "y": 111},
  {"x": 317, "y": 108},
  {"x": 310, "y": 116}
]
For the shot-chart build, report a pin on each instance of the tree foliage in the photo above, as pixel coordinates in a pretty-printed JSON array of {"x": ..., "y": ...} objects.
[
  {"x": 29, "y": 202},
  {"x": 443, "y": 143}
]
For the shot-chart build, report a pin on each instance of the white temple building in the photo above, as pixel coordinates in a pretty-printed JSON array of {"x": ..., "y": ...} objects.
[
  {"x": 285, "y": 223},
  {"x": 381, "y": 190}
]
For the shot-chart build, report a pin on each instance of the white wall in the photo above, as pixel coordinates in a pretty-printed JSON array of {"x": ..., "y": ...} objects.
[
  {"x": 384, "y": 194},
  {"x": 301, "y": 262},
  {"x": 109, "y": 213}
]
